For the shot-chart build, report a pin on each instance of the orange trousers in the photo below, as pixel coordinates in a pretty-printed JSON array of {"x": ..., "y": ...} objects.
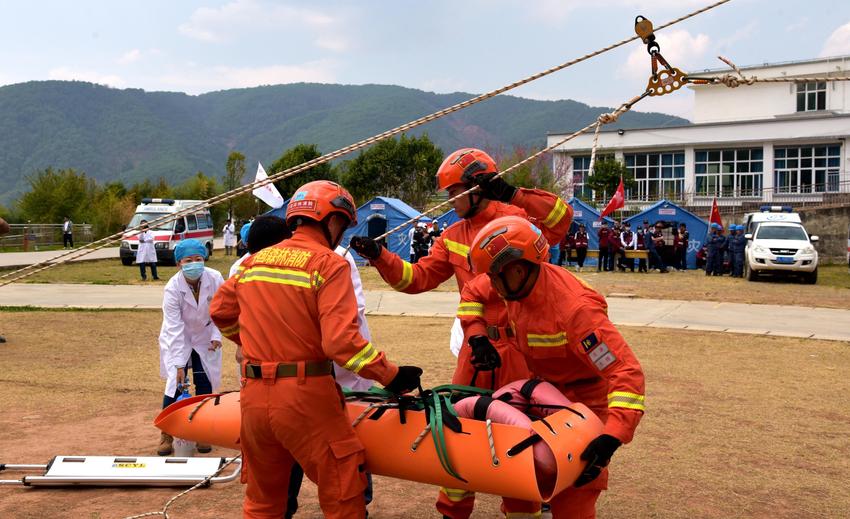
[
  {"x": 458, "y": 504},
  {"x": 301, "y": 419}
]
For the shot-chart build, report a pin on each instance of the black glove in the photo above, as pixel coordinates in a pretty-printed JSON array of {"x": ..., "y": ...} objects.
[
  {"x": 366, "y": 247},
  {"x": 406, "y": 380},
  {"x": 494, "y": 188},
  {"x": 597, "y": 454},
  {"x": 484, "y": 354}
]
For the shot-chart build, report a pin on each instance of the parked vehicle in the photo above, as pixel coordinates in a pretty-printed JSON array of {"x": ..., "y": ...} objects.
[
  {"x": 779, "y": 244},
  {"x": 198, "y": 225}
]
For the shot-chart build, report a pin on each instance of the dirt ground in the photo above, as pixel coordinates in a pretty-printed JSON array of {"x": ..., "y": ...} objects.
[{"x": 748, "y": 427}]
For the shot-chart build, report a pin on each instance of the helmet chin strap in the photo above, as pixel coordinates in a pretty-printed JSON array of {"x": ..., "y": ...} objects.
[
  {"x": 474, "y": 204},
  {"x": 525, "y": 287},
  {"x": 332, "y": 243}
]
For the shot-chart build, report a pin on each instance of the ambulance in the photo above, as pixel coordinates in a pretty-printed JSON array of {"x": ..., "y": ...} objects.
[
  {"x": 198, "y": 225},
  {"x": 777, "y": 243}
]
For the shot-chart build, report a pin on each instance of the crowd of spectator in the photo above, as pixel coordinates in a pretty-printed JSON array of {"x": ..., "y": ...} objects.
[{"x": 666, "y": 247}]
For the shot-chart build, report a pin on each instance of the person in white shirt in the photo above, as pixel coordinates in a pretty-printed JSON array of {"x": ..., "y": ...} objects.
[
  {"x": 68, "y": 234},
  {"x": 229, "y": 232},
  {"x": 628, "y": 240},
  {"x": 146, "y": 253},
  {"x": 188, "y": 337}
]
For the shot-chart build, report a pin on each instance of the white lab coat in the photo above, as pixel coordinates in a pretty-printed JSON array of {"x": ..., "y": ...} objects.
[
  {"x": 235, "y": 267},
  {"x": 410, "y": 234},
  {"x": 186, "y": 325},
  {"x": 456, "y": 339},
  {"x": 229, "y": 232},
  {"x": 345, "y": 378},
  {"x": 146, "y": 253}
]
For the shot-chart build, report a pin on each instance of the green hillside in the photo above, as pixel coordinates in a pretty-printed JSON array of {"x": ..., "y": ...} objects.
[{"x": 130, "y": 135}]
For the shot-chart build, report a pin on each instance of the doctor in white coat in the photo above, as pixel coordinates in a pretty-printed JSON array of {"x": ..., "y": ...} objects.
[
  {"x": 146, "y": 253},
  {"x": 188, "y": 337},
  {"x": 229, "y": 232}
]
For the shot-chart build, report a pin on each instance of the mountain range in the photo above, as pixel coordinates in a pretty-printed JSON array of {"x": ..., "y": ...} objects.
[{"x": 130, "y": 134}]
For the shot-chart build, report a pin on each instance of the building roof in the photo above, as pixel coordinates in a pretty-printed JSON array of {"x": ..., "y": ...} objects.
[
  {"x": 779, "y": 118},
  {"x": 845, "y": 57}
]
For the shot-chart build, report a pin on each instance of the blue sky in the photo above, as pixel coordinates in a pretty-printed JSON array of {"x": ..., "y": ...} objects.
[{"x": 441, "y": 45}]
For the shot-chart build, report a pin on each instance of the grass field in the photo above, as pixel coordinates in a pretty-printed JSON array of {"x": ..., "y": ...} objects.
[{"x": 737, "y": 425}]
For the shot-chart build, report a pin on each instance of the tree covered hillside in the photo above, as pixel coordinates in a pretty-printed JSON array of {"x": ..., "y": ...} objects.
[{"x": 130, "y": 135}]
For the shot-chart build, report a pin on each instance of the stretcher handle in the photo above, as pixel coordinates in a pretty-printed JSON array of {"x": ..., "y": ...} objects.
[
  {"x": 12, "y": 466},
  {"x": 232, "y": 475}
]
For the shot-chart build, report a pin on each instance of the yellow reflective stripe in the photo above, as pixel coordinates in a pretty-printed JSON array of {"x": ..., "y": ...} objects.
[
  {"x": 276, "y": 275},
  {"x": 472, "y": 309},
  {"x": 406, "y": 276},
  {"x": 230, "y": 330},
  {"x": 316, "y": 279},
  {"x": 361, "y": 358},
  {"x": 456, "y": 495},
  {"x": 546, "y": 341},
  {"x": 555, "y": 214},
  {"x": 523, "y": 515},
  {"x": 458, "y": 248},
  {"x": 626, "y": 399}
]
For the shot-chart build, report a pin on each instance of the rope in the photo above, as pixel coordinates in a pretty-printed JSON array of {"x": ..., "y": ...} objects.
[
  {"x": 733, "y": 81},
  {"x": 603, "y": 119},
  {"x": 625, "y": 107},
  {"x": 421, "y": 437},
  {"x": 164, "y": 511},
  {"x": 489, "y": 425},
  {"x": 103, "y": 242}
]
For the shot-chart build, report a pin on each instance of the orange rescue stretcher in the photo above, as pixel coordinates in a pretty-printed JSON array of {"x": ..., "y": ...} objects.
[{"x": 500, "y": 463}]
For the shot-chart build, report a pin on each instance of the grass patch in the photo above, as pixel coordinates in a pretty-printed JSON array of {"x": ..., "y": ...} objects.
[
  {"x": 112, "y": 272},
  {"x": 737, "y": 425}
]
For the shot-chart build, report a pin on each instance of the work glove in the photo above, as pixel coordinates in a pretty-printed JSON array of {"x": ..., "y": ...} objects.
[
  {"x": 406, "y": 380},
  {"x": 494, "y": 188},
  {"x": 366, "y": 247},
  {"x": 597, "y": 454},
  {"x": 484, "y": 354}
]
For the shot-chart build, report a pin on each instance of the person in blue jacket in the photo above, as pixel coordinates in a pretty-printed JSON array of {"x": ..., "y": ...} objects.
[
  {"x": 737, "y": 244},
  {"x": 716, "y": 247}
]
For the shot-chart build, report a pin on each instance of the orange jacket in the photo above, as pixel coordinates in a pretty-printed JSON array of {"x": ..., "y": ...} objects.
[
  {"x": 449, "y": 251},
  {"x": 298, "y": 305},
  {"x": 571, "y": 344}
]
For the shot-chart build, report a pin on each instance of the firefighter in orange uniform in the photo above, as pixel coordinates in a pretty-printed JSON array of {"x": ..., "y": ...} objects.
[
  {"x": 459, "y": 172},
  {"x": 299, "y": 315},
  {"x": 572, "y": 344}
]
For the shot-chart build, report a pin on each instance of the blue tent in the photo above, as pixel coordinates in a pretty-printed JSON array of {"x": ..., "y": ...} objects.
[
  {"x": 379, "y": 215},
  {"x": 449, "y": 217},
  {"x": 672, "y": 215},
  {"x": 587, "y": 215}
]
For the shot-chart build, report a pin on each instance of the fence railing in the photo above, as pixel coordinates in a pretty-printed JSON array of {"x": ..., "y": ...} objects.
[{"x": 42, "y": 236}]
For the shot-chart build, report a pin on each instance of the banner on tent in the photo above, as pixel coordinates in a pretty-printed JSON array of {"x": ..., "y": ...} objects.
[
  {"x": 377, "y": 207},
  {"x": 578, "y": 214},
  {"x": 667, "y": 211}
]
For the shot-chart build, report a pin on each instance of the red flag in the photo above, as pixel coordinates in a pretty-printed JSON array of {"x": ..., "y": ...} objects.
[
  {"x": 715, "y": 214},
  {"x": 617, "y": 201}
]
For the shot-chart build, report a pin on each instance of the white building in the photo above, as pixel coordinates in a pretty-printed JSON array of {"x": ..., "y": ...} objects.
[{"x": 779, "y": 142}]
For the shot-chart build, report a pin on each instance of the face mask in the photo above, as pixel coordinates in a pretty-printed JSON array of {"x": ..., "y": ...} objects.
[{"x": 193, "y": 270}]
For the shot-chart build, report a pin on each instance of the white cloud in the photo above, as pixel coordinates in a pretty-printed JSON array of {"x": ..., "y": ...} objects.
[
  {"x": 444, "y": 85},
  {"x": 197, "y": 80},
  {"x": 741, "y": 34},
  {"x": 241, "y": 17},
  {"x": 679, "y": 48},
  {"x": 838, "y": 42},
  {"x": 129, "y": 57},
  {"x": 69, "y": 74},
  {"x": 797, "y": 25}
]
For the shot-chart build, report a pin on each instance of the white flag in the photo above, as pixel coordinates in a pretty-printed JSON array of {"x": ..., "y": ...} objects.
[{"x": 267, "y": 193}]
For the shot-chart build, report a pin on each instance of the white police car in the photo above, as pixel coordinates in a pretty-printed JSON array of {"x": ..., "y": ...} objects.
[{"x": 777, "y": 243}]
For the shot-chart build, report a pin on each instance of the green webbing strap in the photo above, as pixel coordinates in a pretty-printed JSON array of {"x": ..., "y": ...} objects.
[{"x": 439, "y": 412}]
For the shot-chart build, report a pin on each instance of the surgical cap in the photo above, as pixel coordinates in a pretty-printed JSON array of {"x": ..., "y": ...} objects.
[
  {"x": 188, "y": 248},
  {"x": 243, "y": 232}
]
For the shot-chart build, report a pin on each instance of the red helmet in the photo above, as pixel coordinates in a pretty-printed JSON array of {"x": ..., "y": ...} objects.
[
  {"x": 504, "y": 240},
  {"x": 320, "y": 198},
  {"x": 463, "y": 164}
]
